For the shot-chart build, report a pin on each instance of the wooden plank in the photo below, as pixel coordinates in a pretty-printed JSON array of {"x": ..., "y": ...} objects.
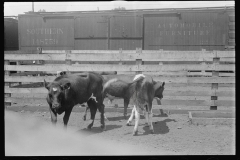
[
  {"x": 188, "y": 93},
  {"x": 224, "y": 54},
  {"x": 167, "y": 87},
  {"x": 227, "y": 59},
  {"x": 166, "y": 97},
  {"x": 109, "y": 67},
  {"x": 225, "y": 103},
  {"x": 126, "y": 51},
  {"x": 20, "y": 52},
  {"x": 107, "y": 57},
  {"x": 162, "y": 79},
  {"x": 164, "y": 102},
  {"x": 225, "y": 93},
  {"x": 227, "y": 74},
  {"x": 169, "y": 93}
]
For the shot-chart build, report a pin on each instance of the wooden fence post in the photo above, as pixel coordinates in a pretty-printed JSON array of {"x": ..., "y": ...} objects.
[
  {"x": 139, "y": 61},
  {"x": 39, "y": 51},
  {"x": 203, "y": 63},
  {"x": 7, "y": 104},
  {"x": 214, "y": 85},
  {"x": 120, "y": 52},
  {"x": 68, "y": 61}
]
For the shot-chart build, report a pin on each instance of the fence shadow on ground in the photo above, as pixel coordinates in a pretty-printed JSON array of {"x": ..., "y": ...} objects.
[{"x": 160, "y": 127}]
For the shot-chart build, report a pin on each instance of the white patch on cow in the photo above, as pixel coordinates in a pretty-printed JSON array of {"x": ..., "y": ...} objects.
[
  {"x": 54, "y": 89},
  {"x": 109, "y": 82},
  {"x": 138, "y": 75},
  {"x": 58, "y": 73},
  {"x": 92, "y": 96},
  {"x": 110, "y": 97}
]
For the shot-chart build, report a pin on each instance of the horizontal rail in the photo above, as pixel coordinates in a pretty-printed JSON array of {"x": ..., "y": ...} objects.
[
  {"x": 164, "y": 102},
  {"x": 125, "y": 56},
  {"x": 165, "y": 79},
  {"x": 177, "y": 91},
  {"x": 166, "y": 97},
  {"x": 114, "y": 67}
]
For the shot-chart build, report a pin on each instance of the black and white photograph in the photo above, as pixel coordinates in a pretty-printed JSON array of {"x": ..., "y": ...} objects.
[{"x": 119, "y": 78}]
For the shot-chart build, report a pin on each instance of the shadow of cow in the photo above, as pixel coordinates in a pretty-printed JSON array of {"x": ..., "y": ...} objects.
[{"x": 160, "y": 127}]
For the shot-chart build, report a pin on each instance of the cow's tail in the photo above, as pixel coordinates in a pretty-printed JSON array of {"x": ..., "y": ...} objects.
[{"x": 135, "y": 84}]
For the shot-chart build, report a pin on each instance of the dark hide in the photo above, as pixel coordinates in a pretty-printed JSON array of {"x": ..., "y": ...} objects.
[{"x": 68, "y": 90}]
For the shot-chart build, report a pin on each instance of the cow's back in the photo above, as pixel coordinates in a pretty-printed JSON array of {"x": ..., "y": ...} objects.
[
  {"x": 82, "y": 87},
  {"x": 144, "y": 91}
]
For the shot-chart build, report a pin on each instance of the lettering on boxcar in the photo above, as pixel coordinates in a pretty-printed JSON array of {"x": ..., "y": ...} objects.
[
  {"x": 44, "y": 41},
  {"x": 45, "y": 31}
]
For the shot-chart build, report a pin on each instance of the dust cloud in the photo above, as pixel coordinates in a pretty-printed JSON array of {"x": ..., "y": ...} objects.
[{"x": 28, "y": 136}]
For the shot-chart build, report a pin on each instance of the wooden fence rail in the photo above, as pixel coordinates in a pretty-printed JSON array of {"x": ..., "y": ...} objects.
[{"x": 194, "y": 79}]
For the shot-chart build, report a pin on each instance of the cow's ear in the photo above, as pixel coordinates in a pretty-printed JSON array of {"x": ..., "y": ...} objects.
[
  {"x": 163, "y": 84},
  {"x": 157, "y": 85},
  {"x": 66, "y": 85},
  {"x": 46, "y": 84}
]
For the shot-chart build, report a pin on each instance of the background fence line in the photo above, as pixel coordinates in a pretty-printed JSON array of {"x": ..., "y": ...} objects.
[{"x": 194, "y": 79}]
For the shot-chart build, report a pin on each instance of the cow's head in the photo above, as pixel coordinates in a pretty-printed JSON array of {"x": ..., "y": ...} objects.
[
  {"x": 159, "y": 88},
  {"x": 56, "y": 93}
]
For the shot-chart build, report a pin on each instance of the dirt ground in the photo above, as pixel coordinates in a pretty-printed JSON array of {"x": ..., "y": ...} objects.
[{"x": 173, "y": 134}]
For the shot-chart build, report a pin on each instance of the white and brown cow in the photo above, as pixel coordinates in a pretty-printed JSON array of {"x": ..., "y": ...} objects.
[{"x": 145, "y": 91}]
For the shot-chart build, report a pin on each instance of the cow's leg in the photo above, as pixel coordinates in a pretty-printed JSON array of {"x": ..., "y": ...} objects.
[
  {"x": 126, "y": 102},
  {"x": 146, "y": 117},
  {"x": 150, "y": 114},
  {"x": 66, "y": 116},
  {"x": 150, "y": 122},
  {"x": 137, "y": 117},
  {"x": 101, "y": 110},
  {"x": 93, "y": 109},
  {"x": 85, "y": 114},
  {"x": 53, "y": 116},
  {"x": 131, "y": 117}
]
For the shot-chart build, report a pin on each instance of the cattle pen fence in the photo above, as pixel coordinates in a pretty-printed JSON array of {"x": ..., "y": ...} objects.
[{"x": 194, "y": 80}]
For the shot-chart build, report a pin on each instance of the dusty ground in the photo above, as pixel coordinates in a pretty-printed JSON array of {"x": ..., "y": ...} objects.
[{"x": 173, "y": 134}]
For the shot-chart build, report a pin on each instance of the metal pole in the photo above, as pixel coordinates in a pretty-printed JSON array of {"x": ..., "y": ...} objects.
[{"x": 32, "y": 6}]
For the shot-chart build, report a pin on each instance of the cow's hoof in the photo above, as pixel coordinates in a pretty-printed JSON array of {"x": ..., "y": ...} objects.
[
  {"x": 125, "y": 116},
  {"x": 135, "y": 133},
  {"x": 84, "y": 118},
  {"x": 146, "y": 125},
  {"x": 103, "y": 127},
  {"x": 151, "y": 131},
  {"x": 128, "y": 124},
  {"x": 89, "y": 126}
]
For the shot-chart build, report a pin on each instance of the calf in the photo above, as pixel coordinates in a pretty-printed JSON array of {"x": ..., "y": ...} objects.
[
  {"x": 143, "y": 95},
  {"x": 68, "y": 90}
]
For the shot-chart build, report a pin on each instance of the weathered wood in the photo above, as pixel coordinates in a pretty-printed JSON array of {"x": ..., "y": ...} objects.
[
  {"x": 105, "y": 57},
  {"x": 225, "y": 93},
  {"x": 224, "y": 54},
  {"x": 167, "y": 92},
  {"x": 164, "y": 102},
  {"x": 109, "y": 67},
  {"x": 165, "y": 79}
]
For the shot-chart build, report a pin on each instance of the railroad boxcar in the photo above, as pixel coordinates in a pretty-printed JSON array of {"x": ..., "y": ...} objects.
[
  {"x": 155, "y": 29},
  {"x": 10, "y": 34}
]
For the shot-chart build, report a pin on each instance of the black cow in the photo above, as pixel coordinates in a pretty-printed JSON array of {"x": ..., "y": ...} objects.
[
  {"x": 124, "y": 92},
  {"x": 68, "y": 90},
  {"x": 145, "y": 91}
]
